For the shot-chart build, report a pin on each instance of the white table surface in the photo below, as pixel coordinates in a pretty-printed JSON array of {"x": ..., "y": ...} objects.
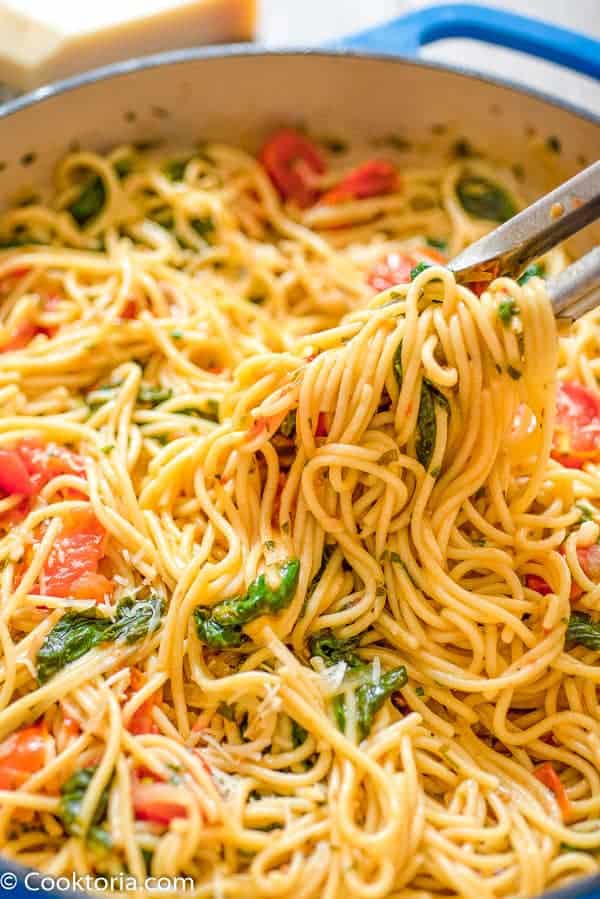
[{"x": 316, "y": 21}]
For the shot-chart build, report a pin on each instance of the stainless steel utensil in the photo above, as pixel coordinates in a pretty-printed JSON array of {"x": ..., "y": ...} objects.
[{"x": 509, "y": 249}]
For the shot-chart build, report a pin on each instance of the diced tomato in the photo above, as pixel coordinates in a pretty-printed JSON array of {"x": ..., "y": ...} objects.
[
  {"x": 17, "y": 273},
  {"x": 47, "y": 461},
  {"x": 534, "y": 582},
  {"x": 589, "y": 559},
  {"x": 70, "y": 726},
  {"x": 322, "y": 425},
  {"x": 395, "y": 268},
  {"x": 14, "y": 477},
  {"x": 141, "y": 722},
  {"x": 151, "y": 802},
  {"x": 577, "y": 433},
  {"x": 92, "y": 586},
  {"x": 22, "y": 754},
  {"x": 548, "y": 776},
  {"x": 370, "y": 179},
  {"x": 74, "y": 556},
  {"x": 129, "y": 309},
  {"x": 293, "y": 164},
  {"x": 22, "y": 335}
]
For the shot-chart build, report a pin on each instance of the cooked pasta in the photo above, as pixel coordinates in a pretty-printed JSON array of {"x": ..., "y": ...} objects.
[{"x": 299, "y": 549}]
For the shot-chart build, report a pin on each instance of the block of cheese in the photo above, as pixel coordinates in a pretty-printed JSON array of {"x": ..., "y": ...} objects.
[{"x": 42, "y": 40}]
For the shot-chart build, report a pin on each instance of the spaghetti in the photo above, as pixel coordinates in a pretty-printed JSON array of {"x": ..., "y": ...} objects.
[{"x": 299, "y": 555}]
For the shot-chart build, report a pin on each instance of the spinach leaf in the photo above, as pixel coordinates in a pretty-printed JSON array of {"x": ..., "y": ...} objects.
[
  {"x": 90, "y": 201},
  {"x": 214, "y": 634},
  {"x": 426, "y": 424},
  {"x": 299, "y": 734},
  {"x": 332, "y": 649},
  {"x": 483, "y": 199},
  {"x": 534, "y": 271},
  {"x": 398, "y": 364},
  {"x": 123, "y": 166},
  {"x": 135, "y": 619},
  {"x": 154, "y": 396},
  {"x": 339, "y": 711},
  {"x": 328, "y": 551},
  {"x": 78, "y": 632},
  {"x": 221, "y": 625},
  {"x": 72, "y": 795},
  {"x": 371, "y": 696},
  {"x": 584, "y": 631}
]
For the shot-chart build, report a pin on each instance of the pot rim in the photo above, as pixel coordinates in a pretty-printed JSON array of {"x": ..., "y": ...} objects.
[{"x": 229, "y": 51}]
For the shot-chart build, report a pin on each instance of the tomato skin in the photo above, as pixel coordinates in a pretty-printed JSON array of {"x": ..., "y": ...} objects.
[
  {"x": 151, "y": 804},
  {"x": 293, "y": 163},
  {"x": 322, "y": 429},
  {"x": 577, "y": 432},
  {"x": 373, "y": 178},
  {"x": 14, "y": 477},
  {"x": 22, "y": 754},
  {"x": 393, "y": 269},
  {"x": 75, "y": 554},
  {"x": 548, "y": 776}
]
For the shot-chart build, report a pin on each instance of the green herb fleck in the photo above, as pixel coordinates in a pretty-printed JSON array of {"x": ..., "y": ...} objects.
[
  {"x": 204, "y": 227},
  {"x": 420, "y": 691},
  {"x": 534, "y": 271},
  {"x": 437, "y": 243},
  {"x": 418, "y": 269},
  {"x": 226, "y": 711},
  {"x": 288, "y": 425},
  {"x": 154, "y": 396},
  {"x": 514, "y": 373},
  {"x": 587, "y": 512},
  {"x": 506, "y": 309}
]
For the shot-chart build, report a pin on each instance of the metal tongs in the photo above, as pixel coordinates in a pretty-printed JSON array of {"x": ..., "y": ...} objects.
[{"x": 512, "y": 247}]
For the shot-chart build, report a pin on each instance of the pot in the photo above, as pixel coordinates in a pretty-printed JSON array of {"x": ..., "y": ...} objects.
[{"x": 367, "y": 87}]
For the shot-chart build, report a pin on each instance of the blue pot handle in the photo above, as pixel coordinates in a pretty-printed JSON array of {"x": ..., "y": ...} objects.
[{"x": 406, "y": 35}]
